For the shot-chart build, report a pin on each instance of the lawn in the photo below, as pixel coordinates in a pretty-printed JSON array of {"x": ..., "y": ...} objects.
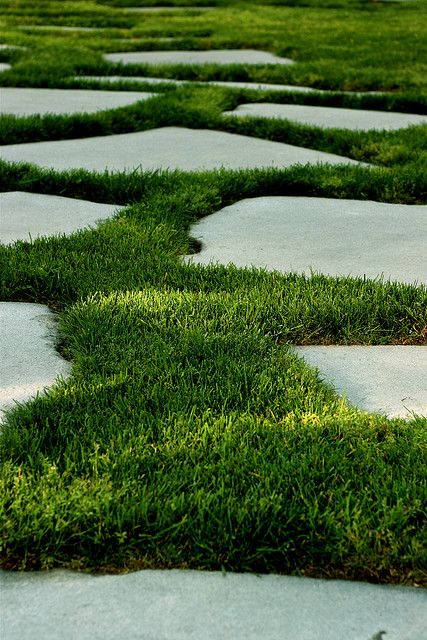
[{"x": 189, "y": 434}]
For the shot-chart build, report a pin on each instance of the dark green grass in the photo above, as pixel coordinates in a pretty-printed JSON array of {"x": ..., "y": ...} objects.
[{"x": 188, "y": 434}]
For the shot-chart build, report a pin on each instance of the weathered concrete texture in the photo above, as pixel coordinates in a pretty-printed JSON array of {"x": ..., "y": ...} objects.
[
  {"x": 215, "y": 56},
  {"x": 355, "y": 119},
  {"x": 335, "y": 237},
  {"x": 191, "y": 605},
  {"x": 28, "y": 360},
  {"x": 4, "y": 66},
  {"x": 26, "y": 216},
  {"x": 165, "y": 148},
  {"x": 24, "y": 102},
  {"x": 218, "y": 83},
  {"x": 391, "y": 380},
  {"x": 56, "y": 27}
]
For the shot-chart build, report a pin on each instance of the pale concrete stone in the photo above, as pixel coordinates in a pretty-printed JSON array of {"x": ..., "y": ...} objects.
[
  {"x": 390, "y": 380},
  {"x": 355, "y": 119},
  {"x": 26, "y": 216},
  {"x": 215, "y": 56},
  {"x": 335, "y": 237},
  {"x": 24, "y": 102},
  {"x": 28, "y": 360},
  {"x": 264, "y": 86},
  {"x": 4, "y": 66},
  {"x": 4, "y": 47},
  {"x": 165, "y": 148},
  {"x": 195, "y": 605},
  {"x": 56, "y": 27}
]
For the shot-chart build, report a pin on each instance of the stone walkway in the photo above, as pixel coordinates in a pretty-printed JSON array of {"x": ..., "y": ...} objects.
[
  {"x": 355, "y": 119},
  {"x": 190, "y": 605},
  {"x": 332, "y": 236},
  {"x": 25, "y": 102}
]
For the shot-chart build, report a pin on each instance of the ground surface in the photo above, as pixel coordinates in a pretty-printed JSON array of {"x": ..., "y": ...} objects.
[{"x": 189, "y": 434}]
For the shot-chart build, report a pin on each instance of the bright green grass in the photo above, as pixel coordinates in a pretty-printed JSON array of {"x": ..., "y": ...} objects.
[{"x": 188, "y": 434}]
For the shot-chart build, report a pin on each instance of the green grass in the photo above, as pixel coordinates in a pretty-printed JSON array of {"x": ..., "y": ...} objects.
[{"x": 189, "y": 435}]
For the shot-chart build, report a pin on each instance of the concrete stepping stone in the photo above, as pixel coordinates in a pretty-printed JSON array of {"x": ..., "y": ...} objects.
[
  {"x": 28, "y": 360},
  {"x": 57, "y": 27},
  {"x": 355, "y": 119},
  {"x": 26, "y": 216},
  {"x": 390, "y": 380},
  {"x": 165, "y": 148},
  {"x": 191, "y": 605},
  {"x": 4, "y": 66},
  {"x": 261, "y": 86},
  {"x": 335, "y": 237},
  {"x": 214, "y": 56},
  {"x": 25, "y": 102}
]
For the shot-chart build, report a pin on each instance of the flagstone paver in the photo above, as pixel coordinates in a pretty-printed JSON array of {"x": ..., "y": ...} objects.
[
  {"x": 386, "y": 379},
  {"x": 4, "y": 66},
  {"x": 355, "y": 119},
  {"x": 195, "y": 605},
  {"x": 165, "y": 148},
  {"x": 264, "y": 86},
  {"x": 23, "y": 102},
  {"x": 28, "y": 360},
  {"x": 215, "y": 56},
  {"x": 58, "y": 27},
  {"x": 336, "y": 237},
  {"x": 26, "y": 216}
]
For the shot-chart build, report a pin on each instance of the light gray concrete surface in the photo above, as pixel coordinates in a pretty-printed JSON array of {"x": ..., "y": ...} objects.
[
  {"x": 26, "y": 216},
  {"x": 391, "y": 380},
  {"x": 190, "y": 605},
  {"x": 265, "y": 86},
  {"x": 165, "y": 148},
  {"x": 24, "y": 102},
  {"x": 335, "y": 237},
  {"x": 215, "y": 56},
  {"x": 56, "y": 27},
  {"x": 28, "y": 360},
  {"x": 355, "y": 119},
  {"x": 4, "y": 66}
]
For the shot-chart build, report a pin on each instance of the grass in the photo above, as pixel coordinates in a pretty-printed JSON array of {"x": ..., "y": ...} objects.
[{"x": 189, "y": 434}]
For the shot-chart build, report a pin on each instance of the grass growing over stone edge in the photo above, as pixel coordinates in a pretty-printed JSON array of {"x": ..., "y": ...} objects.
[{"x": 189, "y": 435}]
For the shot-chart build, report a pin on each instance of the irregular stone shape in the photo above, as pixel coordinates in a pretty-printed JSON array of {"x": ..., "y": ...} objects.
[
  {"x": 191, "y": 605},
  {"x": 4, "y": 66},
  {"x": 165, "y": 148},
  {"x": 215, "y": 56},
  {"x": 28, "y": 360},
  {"x": 355, "y": 119},
  {"x": 219, "y": 83},
  {"x": 26, "y": 216},
  {"x": 56, "y": 27},
  {"x": 391, "y": 380},
  {"x": 24, "y": 102},
  {"x": 335, "y": 237}
]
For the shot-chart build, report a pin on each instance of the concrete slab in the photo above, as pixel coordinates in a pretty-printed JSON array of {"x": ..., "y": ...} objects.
[
  {"x": 56, "y": 27},
  {"x": 216, "y": 56},
  {"x": 165, "y": 148},
  {"x": 264, "y": 86},
  {"x": 28, "y": 360},
  {"x": 26, "y": 216},
  {"x": 335, "y": 237},
  {"x": 191, "y": 605},
  {"x": 390, "y": 380},
  {"x": 4, "y": 66},
  {"x": 355, "y": 119},
  {"x": 24, "y": 102}
]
